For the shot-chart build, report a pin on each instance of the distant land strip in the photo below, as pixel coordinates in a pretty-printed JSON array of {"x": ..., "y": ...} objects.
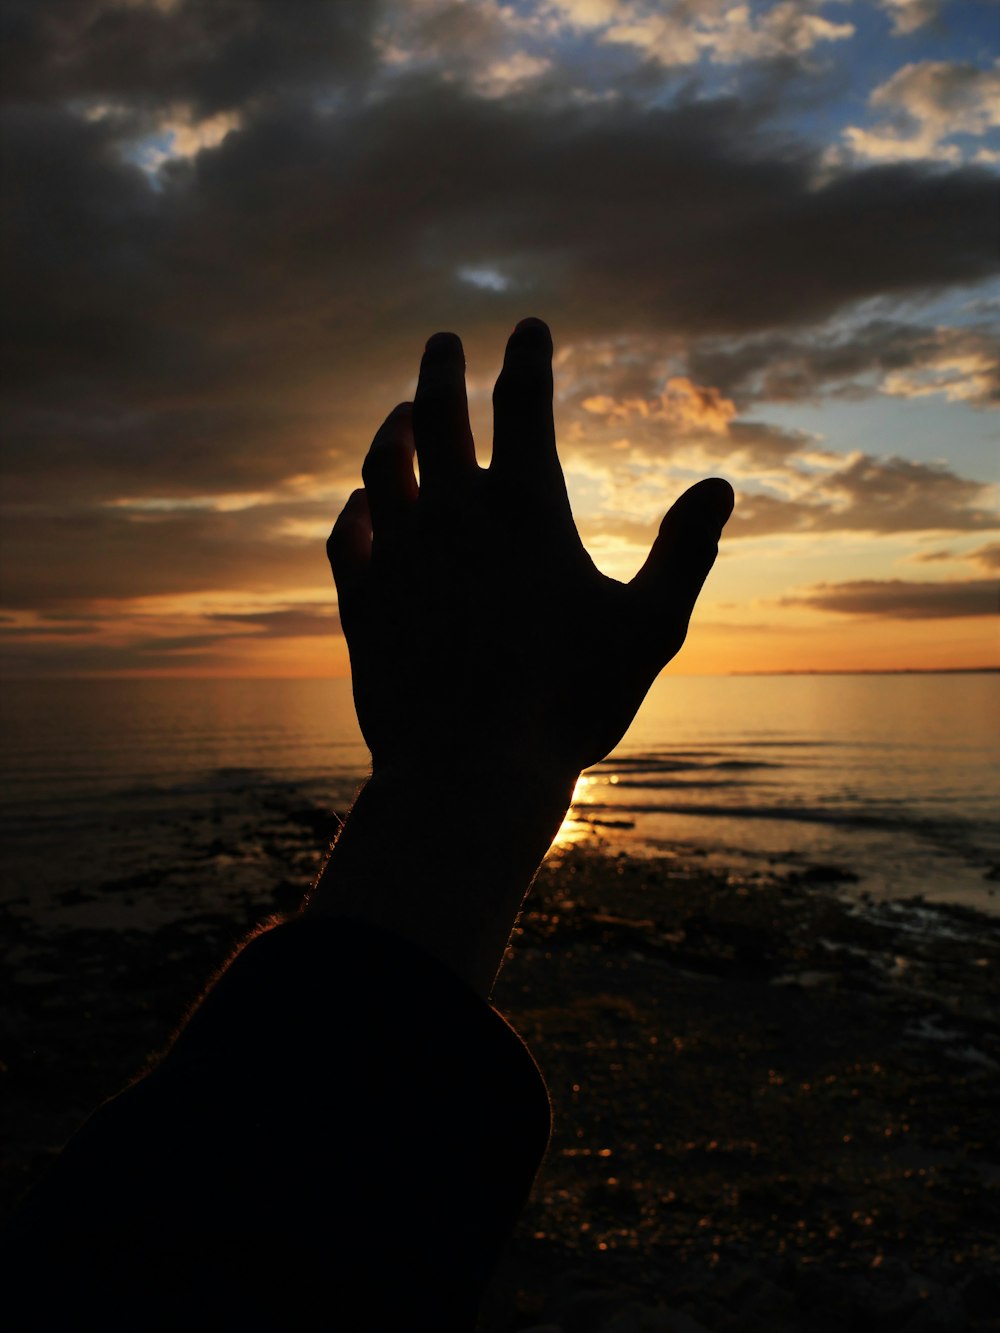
[{"x": 874, "y": 671}]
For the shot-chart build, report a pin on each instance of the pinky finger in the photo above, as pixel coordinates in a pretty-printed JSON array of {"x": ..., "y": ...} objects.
[{"x": 349, "y": 549}]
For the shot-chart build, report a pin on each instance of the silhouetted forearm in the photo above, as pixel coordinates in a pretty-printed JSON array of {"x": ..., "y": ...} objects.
[{"x": 341, "y": 1137}]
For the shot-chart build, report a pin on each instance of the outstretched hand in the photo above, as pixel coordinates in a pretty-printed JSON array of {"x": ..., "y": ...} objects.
[{"x": 480, "y": 631}]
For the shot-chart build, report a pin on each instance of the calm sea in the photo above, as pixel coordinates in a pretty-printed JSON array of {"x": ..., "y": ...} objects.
[{"x": 892, "y": 779}]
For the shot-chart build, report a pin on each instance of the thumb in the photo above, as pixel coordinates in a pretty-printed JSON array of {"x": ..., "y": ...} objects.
[{"x": 682, "y": 555}]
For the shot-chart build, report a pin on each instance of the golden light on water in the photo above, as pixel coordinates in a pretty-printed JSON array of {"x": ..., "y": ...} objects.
[{"x": 573, "y": 830}]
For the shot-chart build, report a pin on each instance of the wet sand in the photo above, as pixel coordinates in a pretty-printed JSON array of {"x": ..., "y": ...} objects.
[{"x": 774, "y": 1109}]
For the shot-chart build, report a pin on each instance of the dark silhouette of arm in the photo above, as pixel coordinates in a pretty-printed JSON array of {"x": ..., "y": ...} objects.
[{"x": 344, "y": 1131}]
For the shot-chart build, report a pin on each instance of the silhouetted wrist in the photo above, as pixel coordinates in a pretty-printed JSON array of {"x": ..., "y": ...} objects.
[{"x": 443, "y": 857}]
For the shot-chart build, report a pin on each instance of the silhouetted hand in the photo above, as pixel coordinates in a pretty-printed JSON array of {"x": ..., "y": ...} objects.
[{"x": 480, "y": 631}]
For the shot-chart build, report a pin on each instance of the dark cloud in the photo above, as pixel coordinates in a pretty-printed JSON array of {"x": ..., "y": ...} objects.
[
  {"x": 10, "y": 631},
  {"x": 214, "y": 54},
  {"x": 904, "y": 358},
  {"x": 900, "y": 495},
  {"x": 290, "y": 622},
  {"x": 898, "y": 599},
  {"x": 987, "y": 556},
  {"x": 876, "y": 495},
  {"x": 176, "y": 450},
  {"x": 198, "y": 653},
  {"x": 32, "y": 656},
  {"x": 302, "y": 261},
  {"x": 458, "y": 38},
  {"x": 56, "y": 558},
  {"x": 765, "y": 445},
  {"x": 58, "y": 642}
]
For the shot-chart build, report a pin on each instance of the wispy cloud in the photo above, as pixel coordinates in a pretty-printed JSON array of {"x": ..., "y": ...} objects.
[
  {"x": 725, "y": 33},
  {"x": 898, "y": 599},
  {"x": 909, "y": 15},
  {"x": 927, "y": 105}
]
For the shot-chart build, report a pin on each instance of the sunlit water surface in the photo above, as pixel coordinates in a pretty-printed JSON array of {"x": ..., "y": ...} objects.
[{"x": 892, "y": 778}]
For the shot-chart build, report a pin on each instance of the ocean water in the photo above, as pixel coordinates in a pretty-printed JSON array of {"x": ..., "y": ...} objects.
[{"x": 891, "y": 781}]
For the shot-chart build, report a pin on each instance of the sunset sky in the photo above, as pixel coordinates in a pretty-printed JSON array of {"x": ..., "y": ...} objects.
[{"x": 765, "y": 237}]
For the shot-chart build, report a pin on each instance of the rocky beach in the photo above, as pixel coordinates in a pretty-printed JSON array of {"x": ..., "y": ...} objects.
[{"x": 775, "y": 1105}]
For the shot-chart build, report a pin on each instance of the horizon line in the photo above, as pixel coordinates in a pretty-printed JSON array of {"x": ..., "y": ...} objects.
[{"x": 691, "y": 675}]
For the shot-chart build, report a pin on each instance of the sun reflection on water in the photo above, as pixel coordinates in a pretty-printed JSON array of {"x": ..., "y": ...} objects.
[{"x": 573, "y": 829}]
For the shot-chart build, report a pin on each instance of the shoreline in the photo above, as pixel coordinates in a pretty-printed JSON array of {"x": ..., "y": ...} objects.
[{"x": 774, "y": 1108}]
